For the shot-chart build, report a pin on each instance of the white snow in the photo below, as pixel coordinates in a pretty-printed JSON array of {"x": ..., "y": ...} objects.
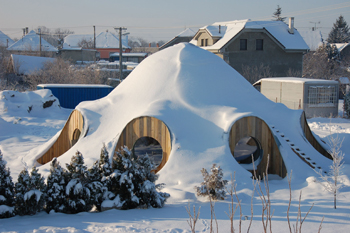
[
  {"x": 31, "y": 42},
  {"x": 28, "y": 64},
  {"x": 28, "y": 195},
  {"x": 313, "y": 39},
  {"x": 199, "y": 97}
]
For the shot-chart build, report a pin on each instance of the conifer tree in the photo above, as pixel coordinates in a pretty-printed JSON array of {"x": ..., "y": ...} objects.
[
  {"x": 56, "y": 187},
  {"x": 30, "y": 192},
  {"x": 339, "y": 32},
  {"x": 77, "y": 194},
  {"x": 277, "y": 14},
  {"x": 96, "y": 187},
  {"x": 105, "y": 166},
  {"x": 7, "y": 200},
  {"x": 132, "y": 182}
]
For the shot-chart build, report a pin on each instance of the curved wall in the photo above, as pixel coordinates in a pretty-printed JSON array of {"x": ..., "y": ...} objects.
[
  {"x": 65, "y": 140},
  {"x": 257, "y": 128}
]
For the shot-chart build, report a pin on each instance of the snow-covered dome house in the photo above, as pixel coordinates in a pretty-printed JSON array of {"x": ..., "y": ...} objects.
[{"x": 201, "y": 111}]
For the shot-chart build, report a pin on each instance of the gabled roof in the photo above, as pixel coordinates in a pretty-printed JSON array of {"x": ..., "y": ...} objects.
[
  {"x": 187, "y": 33},
  {"x": 103, "y": 40},
  {"x": 32, "y": 42},
  {"x": 277, "y": 29},
  {"x": 340, "y": 46},
  {"x": 4, "y": 39}
]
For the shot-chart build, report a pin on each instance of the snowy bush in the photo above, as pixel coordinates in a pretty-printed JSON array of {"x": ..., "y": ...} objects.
[
  {"x": 56, "y": 185},
  {"x": 132, "y": 182},
  {"x": 30, "y": 192},
  {"x": 346, "y": 106},
  {"x": 213, "y": 185},
  {"x": 7, "y": 200},
  {"x": 77, "y": 192},
  {"x": 96, "y": 187}
]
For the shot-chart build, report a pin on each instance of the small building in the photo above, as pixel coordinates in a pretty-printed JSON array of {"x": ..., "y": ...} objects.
[
  {"x": 70, "y": 95},
  {"x": 26, "y": 65},
  {"x": 78, "y": 54},
  {"x": 317, "y": 97},
  {"x": 344, "y": 86},
  {"x": 128, "y": 57}
]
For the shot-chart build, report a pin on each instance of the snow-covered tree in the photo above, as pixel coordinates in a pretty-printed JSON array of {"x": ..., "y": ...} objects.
[
  {"x": 104, "y": 165},
  {"x": 132, "y": 182},
  {"x": 339, "y": 32},
  {"x": 332, "y": 181},
  {"x": 30, "y": 192},
  {"x": 77, "y": 192},
  {"x": 277, "y": 14},
  {"x": 96, "y": 187},
  {"x": 213, "y": 185},
  {"x": 56, "y": 187},
  {"x": 7, "y": 200}
]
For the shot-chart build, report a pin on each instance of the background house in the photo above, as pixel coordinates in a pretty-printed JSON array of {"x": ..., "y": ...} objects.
[
  {"x": 317, "y": 97},
  {"x": 313, "y": 39},
  {"x": 78, "y": 54},
  {"x": 240, "y": 43},
  {"x": 106, "y": 43},
  {"x": 30, "y": 45},
  {"x": 184, "y": 36}
]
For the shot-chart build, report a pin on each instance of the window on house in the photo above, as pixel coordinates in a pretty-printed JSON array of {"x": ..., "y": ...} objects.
[
  {"x": 202, "y": 42},
  {"x": 206, "y": 42},
  {"x": 259, "y": 44},
  {"x": 243, "y": 44},
  {"x": 322, "y": 96}
]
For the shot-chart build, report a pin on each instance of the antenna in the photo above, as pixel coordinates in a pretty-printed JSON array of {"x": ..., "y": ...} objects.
[{"x": 314, "y": 28}]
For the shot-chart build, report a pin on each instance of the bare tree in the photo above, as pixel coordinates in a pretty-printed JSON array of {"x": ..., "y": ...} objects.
[
  {"x": 331, "y": 181},
  {"x": 86, "y": 44},
  {"x": 255, "y": 73}
]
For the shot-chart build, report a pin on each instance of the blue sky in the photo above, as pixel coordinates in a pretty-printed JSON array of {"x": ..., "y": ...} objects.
[{"x": 160, "y": 19}]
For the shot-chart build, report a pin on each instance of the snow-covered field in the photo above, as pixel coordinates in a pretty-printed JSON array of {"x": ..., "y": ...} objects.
[{"x": 22, "y": 130}]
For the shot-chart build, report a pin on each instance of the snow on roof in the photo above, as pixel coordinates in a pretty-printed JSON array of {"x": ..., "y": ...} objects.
[
  {"x": 28, "y": 64},
  {"x": 103, "y": 40},
  {"x": 340, "y": 46},
  {"x": 313, "y": 39},
  {"x": 277, "y": 29},
  {"x": 31, "y": 42},
  {"x": 176, "y": 86},
  {"x": 129, "y": 54},
  {"x": 344, "y": 80},
  {"x": 188, "y": 32},
  {"x": 4, "y": 39},
  {"x": 74, "y": 86},
  {"x": 297, "y": 80}
]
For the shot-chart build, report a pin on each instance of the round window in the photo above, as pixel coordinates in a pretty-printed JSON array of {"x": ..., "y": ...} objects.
[
  {"x": 247, "y": 150},
  {"x": 149, "y": 146}
]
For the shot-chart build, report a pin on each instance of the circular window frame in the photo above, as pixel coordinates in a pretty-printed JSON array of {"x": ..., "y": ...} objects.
[{"x": 151, "y": 156}]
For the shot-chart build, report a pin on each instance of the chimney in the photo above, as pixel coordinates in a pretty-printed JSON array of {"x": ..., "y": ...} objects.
[
  {"x": 149, "y": 45},
  {"x": 27, "y": 30},
  {"x": 157, "y": 45},
  {"x": 219, "y": 28},
  {"x": 291, "y": 25}
]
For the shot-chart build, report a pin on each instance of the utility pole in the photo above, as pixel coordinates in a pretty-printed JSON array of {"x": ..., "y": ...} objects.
[
  {"x": 94, "y": 37},
  {"x": 121, "y": 52},
  {"x": 39, "y": 30},
  {"x": 314, "y": 28}
]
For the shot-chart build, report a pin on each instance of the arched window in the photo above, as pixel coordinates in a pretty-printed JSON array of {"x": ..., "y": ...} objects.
[
  {"x": 76, "y": 136},
  {"x": 247, "y": 150}
]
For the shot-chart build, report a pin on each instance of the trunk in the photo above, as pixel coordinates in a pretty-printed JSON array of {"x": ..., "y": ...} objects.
[{"x": 335, "y": 199}]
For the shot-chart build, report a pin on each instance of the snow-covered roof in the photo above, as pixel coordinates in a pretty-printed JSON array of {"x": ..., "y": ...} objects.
[
  {"x": 129, "y": 54},
  {"x": 74, "y": 85},
  {"x": 278, "y": 29},
  {"x": 103, "y": 40},
  {"x": 188, "y": 32},
  {"x": 28, "y": 64},
  {"x": 297, "y": 80},
  {"x": 4, "y": 39},
  {"x": 340, "y": 46},
  {"x": 313, "y": 39},
  {"x": 31, "y": 42}
]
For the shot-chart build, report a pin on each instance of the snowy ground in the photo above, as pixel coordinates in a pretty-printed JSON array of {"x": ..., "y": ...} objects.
[{"x": 22, "y": 130}]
